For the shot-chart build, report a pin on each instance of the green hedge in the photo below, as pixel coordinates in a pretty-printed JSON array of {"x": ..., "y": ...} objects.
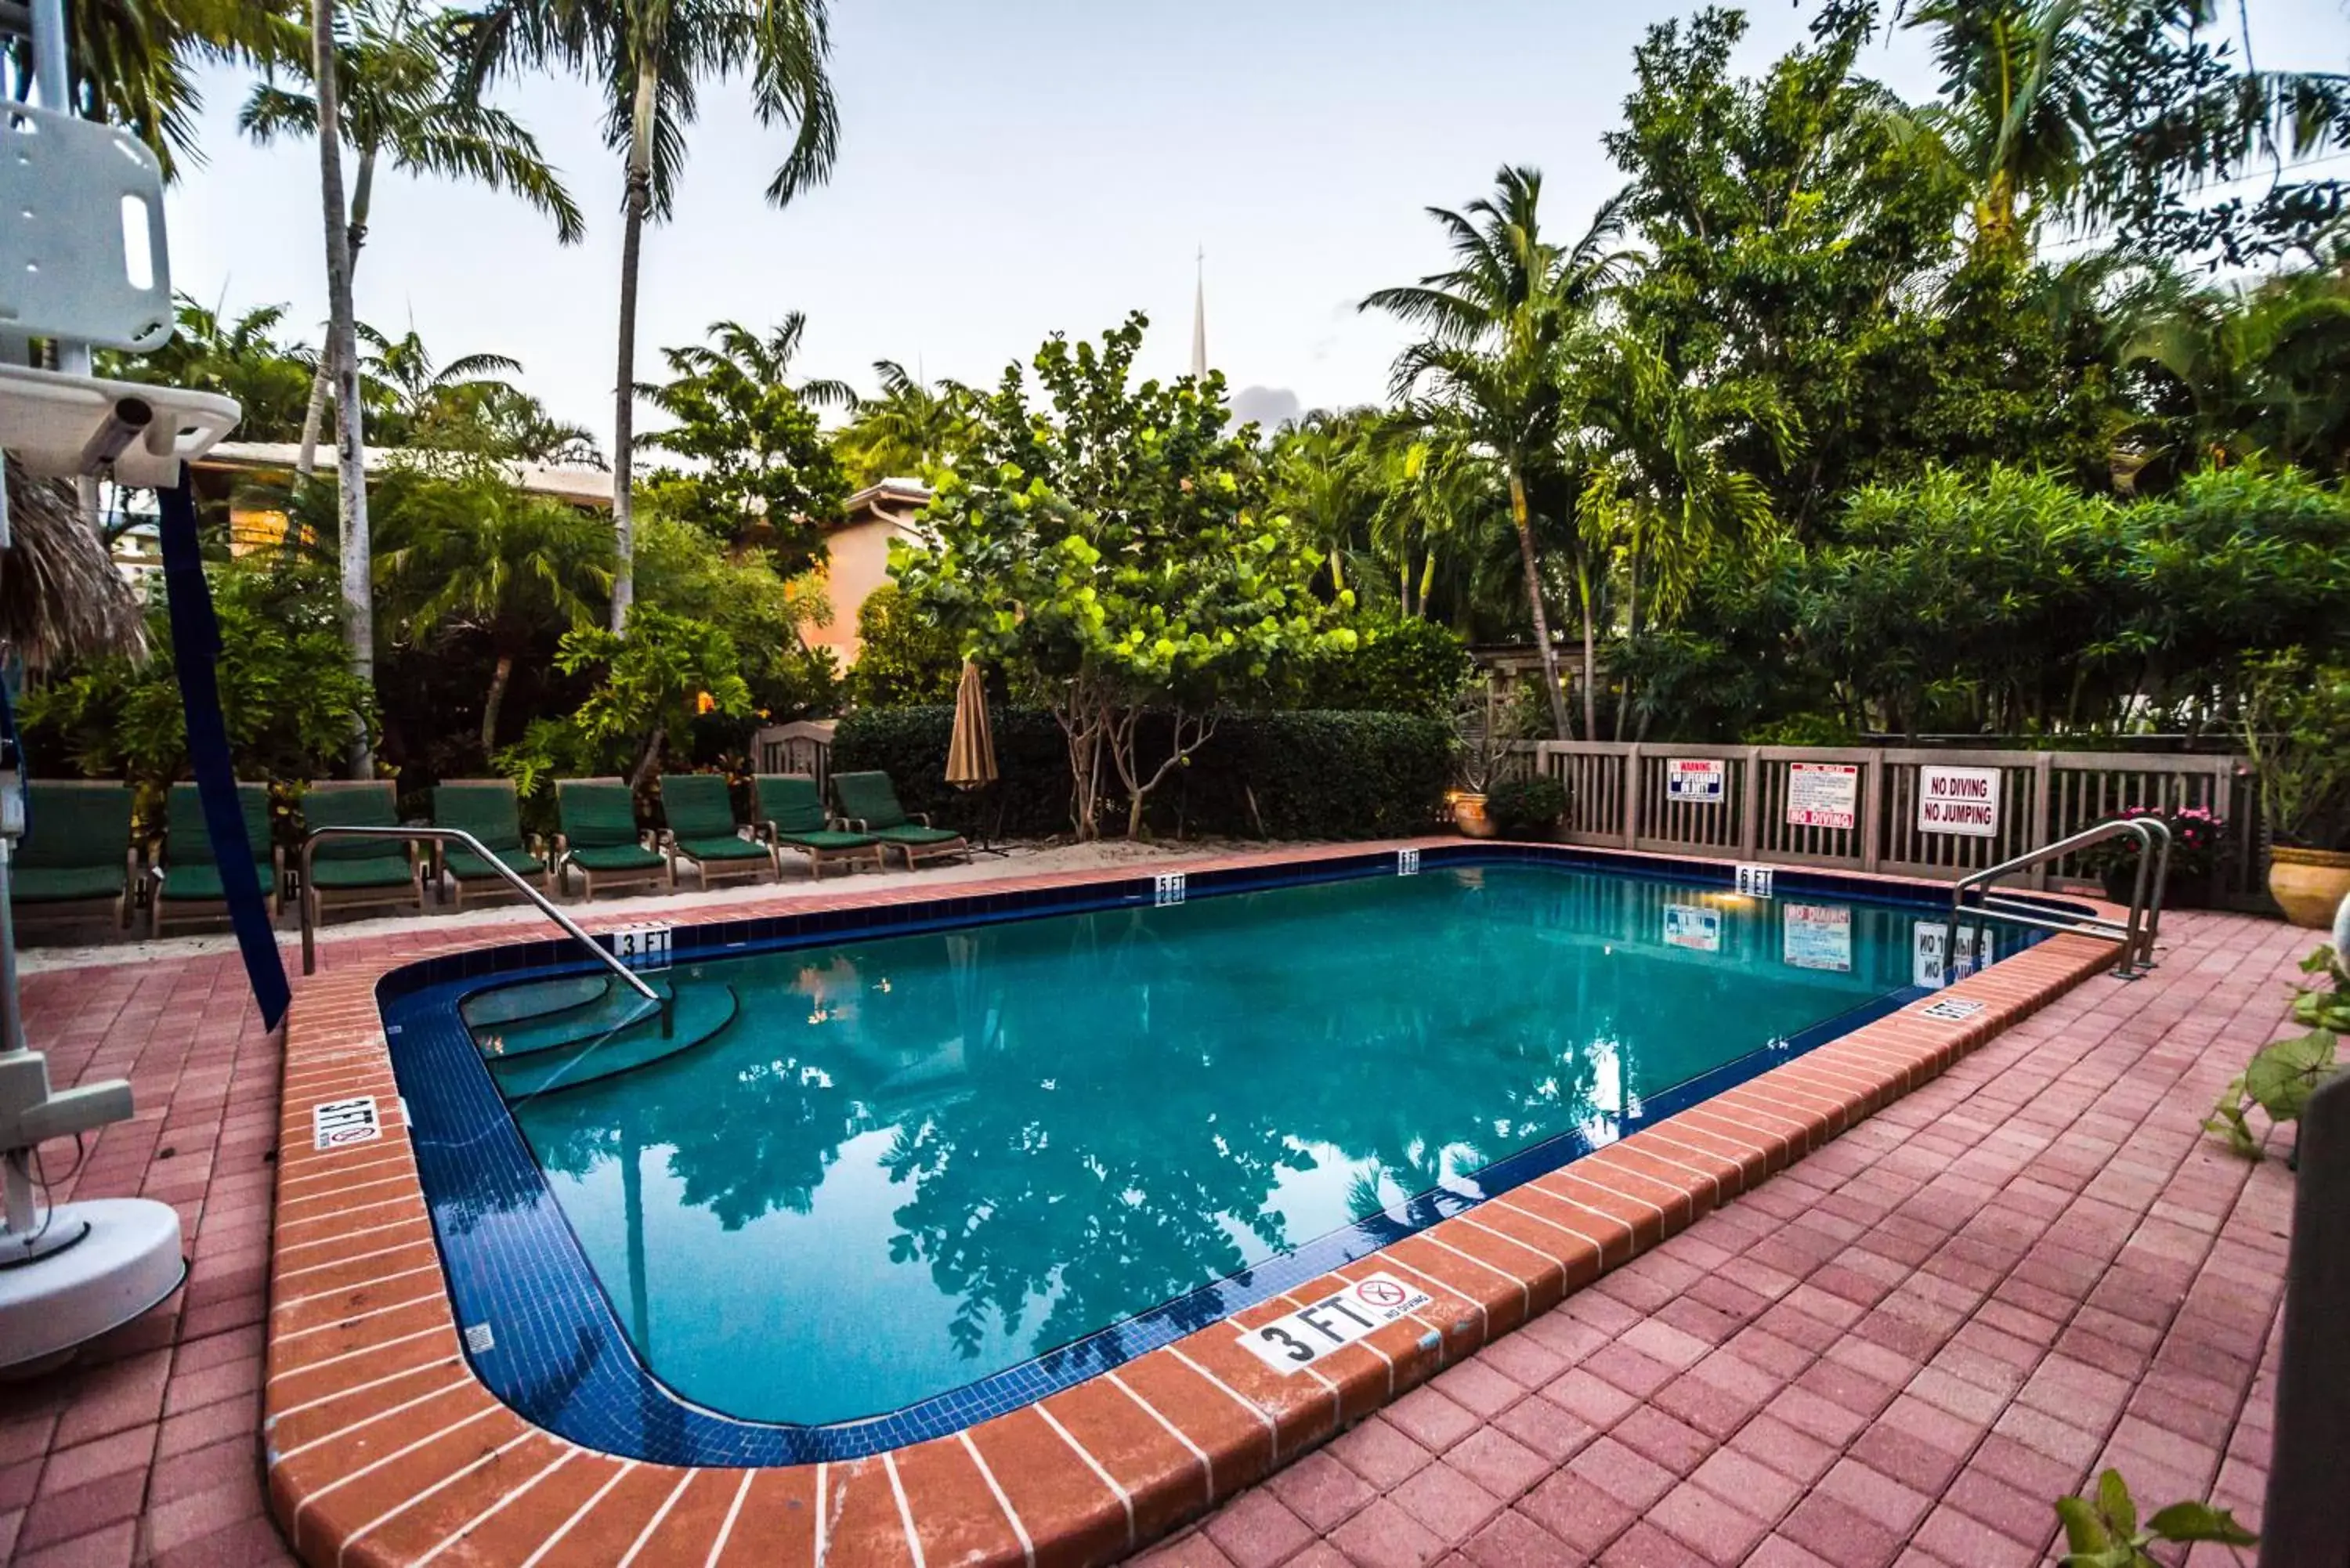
[{"x": 1281, "y": 775}]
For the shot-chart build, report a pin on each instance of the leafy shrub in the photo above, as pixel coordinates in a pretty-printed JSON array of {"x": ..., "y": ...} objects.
[
  {"x": 1281, "y": 775},
  {"x": 1527, "y": 807},
  {"x": 2283, "y": 1075},
  {"x": 1408, "y": 666},
  {"x": 2199, "y": 837},
  {"x": 906, "y": 657},
  {"x": 2104, "y": 1532}
]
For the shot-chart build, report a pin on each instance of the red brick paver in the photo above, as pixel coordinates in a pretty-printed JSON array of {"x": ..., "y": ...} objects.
[
  {"x": 1904, "y": 1347},
  {"x": 1910, "y": 1340}
]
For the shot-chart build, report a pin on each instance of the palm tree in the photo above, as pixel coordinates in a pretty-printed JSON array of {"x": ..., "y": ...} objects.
[
  {"x": 1327, "y": 479},
  {"x": 402, "y": 104},
  {"x": 2245, "y": 369},
  {"x": 400, "y": 371},
  {"x": 649, "y": 57},
  {"x": 913, "y": 427},
  {"x": 513, "y": 570},
  {"x": 1488, "y": 369},
  {"x": 1436, "y": 492},
  {"x": 134, "y": 62}
]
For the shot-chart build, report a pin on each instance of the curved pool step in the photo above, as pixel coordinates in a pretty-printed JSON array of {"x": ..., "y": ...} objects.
[
  {"x": 588, "y": 1017},
  {"x": 697, "y": 1013},
  {"x": 532, "y": 999}
]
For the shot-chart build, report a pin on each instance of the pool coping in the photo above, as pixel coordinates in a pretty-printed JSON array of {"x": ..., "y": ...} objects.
[{"x": 383, "y": 1447}]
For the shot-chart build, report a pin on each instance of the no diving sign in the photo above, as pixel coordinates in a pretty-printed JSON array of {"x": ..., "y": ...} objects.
[
  {"x": 1298, "y": 1340},
  {"x": 1964, "y": 800}
]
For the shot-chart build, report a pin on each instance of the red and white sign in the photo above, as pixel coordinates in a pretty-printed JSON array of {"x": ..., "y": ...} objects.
[
  {"x": 1963, "y": 800},
  {"x": 1823, "y": 795},
  {"x": 1703, "y": 780}
]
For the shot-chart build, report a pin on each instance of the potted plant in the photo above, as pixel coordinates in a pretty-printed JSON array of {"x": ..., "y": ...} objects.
[
  {"x": 1484, "y": 729},
  {"x": 2296, "y": 732},
  {"x": 1527, "y": 807},
  {"x": 2199, "y": 841}
]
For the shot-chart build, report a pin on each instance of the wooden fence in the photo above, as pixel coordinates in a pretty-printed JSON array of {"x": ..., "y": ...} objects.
[
  {"x": 1733, "y": 803},
  {"x": 803, "y": 746}
]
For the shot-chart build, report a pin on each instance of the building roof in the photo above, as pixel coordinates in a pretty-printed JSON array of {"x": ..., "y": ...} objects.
[{"x": 579, "y": 486}]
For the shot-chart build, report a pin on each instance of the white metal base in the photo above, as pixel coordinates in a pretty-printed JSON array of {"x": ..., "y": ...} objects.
[
  {"x": 129, "y": 1261},
  {"x": 59, "y": 425}
]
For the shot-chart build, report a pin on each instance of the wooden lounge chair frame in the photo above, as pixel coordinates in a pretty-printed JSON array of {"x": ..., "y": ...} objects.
[
  {"x": 944, "y": 849},
  {"x": 72, "y": 911},
  {"x": 447, "y": 884},
  {"x": 409, "y": 895},
  {"x": 662, "y": 869},
  {"x": 714, "y": 871}
]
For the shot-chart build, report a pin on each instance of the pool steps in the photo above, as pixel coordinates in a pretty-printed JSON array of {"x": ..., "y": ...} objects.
[{"x": 581, "y": 1042}]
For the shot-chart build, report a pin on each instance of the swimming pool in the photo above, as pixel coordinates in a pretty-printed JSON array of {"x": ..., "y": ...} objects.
[{"x": 890, "y": 1172}]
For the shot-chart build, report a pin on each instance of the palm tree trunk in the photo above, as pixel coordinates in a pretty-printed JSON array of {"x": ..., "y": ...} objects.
[
  {"x": 499, "y": 677},
  {"x": 1632, "y": 633},
  {"x": 1522, "y": 518},
  {"x": 350, "y": 438},
  {"x": 314, "y": 418},
  {"x": 624, "y": 395},
  {"x": 1426, "y": 582},
  {"x": 1590, "y": 662}
]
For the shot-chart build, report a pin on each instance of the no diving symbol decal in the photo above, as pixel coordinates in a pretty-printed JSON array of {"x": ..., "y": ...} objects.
[{"x": 1297, "y": 1340}]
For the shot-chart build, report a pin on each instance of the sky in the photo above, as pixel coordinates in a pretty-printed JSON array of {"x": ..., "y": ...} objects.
[{"x": 1015, "y": 169}]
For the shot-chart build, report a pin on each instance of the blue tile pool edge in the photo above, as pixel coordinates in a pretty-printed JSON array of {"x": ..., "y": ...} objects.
[{"x": 542, "y": 1334}]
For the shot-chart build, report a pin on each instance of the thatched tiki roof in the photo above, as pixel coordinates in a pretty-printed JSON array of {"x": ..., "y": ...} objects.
[{"x": 60, "y": 597}]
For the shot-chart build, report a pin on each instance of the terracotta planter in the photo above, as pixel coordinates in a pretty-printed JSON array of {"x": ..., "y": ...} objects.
[
  {"x": 1469, "y": 816},
  {"x": 2308, "y": 883}
]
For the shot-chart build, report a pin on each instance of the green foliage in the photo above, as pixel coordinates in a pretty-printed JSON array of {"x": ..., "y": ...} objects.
[
  {"x": 764, "y": 473},
  {"x": 1109, "y": 554},
  {"x": 2281, "y": 1076},
  {"x": 904, "y": 657},
  {"x": 683, "y": 571},
  {"x": 910, "y": 430},
  {"x": 1309, "y": 775},
  {"x": 1526, "y": 807},
  {"x": 1408, "y": 666},
  {"x": 649, "y": 686},
  {"x": 2104, "y": 1532},
  {"x": 287, "y": 693},
  {"x": 2296, "y": 729}
]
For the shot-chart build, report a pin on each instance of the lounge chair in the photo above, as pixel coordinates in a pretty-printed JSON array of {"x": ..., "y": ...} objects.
[
  {"x": 791, "y": 815},
  {"x": 486, "y": 809},
  {"x": 600, "y": 837},
  {"x": 358, "y": 873},
  {"x": 702, "y": 829},
  {"x": 868, "y": 803},
  {"x": 76, "y": 861},
  {"x": 187, "y": 874}
]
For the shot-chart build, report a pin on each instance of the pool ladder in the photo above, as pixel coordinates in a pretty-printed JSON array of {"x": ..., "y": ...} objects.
[
  {"x": 466, "y": 841},
  {"x": 2135, "y": 931}
]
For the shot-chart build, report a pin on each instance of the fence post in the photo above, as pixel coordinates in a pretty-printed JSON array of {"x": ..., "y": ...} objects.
[
  {"x": 2043, "y": 775},
  {"x": 1874, "y": 781},
  {"x": 1632, "y": 796},
  {"x": 1750, "y": 803}
]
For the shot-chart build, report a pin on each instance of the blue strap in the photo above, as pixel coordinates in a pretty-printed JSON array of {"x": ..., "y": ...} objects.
[{"x": 195, "y": 644}]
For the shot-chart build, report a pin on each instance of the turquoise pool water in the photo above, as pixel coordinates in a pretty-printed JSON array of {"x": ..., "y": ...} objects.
[{"x": 852, "y": 1178}]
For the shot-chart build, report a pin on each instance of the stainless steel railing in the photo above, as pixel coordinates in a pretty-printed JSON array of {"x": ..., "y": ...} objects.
[
  {"x": 2135, "y": 933},
  {"x": 456, "y": 836}
]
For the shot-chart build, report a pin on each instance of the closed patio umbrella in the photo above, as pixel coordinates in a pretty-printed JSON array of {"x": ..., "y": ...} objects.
[{"x": 971, "y": 750}]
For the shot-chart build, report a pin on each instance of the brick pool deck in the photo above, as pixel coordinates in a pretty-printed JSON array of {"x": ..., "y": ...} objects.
[{"x": 1900, "y": 1347}]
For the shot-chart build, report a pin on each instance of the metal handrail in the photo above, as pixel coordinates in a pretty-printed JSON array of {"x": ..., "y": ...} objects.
[
  {"x": 2136, "y": 932},
  {"x": 457, "y": 836}
]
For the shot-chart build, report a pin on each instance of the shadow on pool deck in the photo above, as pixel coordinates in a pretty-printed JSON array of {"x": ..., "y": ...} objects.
[{"x": 1913, "y": 1339}]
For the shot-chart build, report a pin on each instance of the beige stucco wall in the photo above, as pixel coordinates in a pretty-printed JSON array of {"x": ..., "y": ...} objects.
[{"x": 857, "y": 564}]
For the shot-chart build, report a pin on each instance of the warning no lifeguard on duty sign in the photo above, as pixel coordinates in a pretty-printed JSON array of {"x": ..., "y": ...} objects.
[{"x": 1964, "y": 800}]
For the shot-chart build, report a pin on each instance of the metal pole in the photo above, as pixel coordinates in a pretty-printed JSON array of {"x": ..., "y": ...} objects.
[{"x": 460, "y": 837}]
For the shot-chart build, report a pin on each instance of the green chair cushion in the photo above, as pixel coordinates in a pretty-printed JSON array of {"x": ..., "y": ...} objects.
[
  {"x": 488, "y": 812},
  {"x": 914, "y": 833},
  {"x": 376, "y": 871},
  {"x": 869, "y": 798},
  {"x": 350, "y": 806},
  {"x": 697, "y": 805},
  {"x": 720, "y": 847},
  {"x": 187, "y": 841},
  {"x": 61, "y": 884},
  {"x": 825, "y": 838},
  {"x": 201, "y": 883},
  {"x": 791, "y": 803},
  {"x": 73, "y": 826},
  {"x": 616, "y": 857},
  {"x": 466, "y": 865},
  {"x": 594, "y": 814}
]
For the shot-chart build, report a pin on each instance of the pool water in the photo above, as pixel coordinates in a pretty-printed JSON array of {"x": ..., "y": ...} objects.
[{"x": 853, "y": 1178}]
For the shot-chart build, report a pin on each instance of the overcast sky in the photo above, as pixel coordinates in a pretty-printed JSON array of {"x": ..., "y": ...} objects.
[{"x": 1012, "y": 168}]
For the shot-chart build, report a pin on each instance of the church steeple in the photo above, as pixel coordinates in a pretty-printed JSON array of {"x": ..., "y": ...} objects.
[{"x": 1199, "y": 319}]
